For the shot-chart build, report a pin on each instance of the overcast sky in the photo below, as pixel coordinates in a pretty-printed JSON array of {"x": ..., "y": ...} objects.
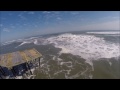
[{"x": 19, "y": 24}]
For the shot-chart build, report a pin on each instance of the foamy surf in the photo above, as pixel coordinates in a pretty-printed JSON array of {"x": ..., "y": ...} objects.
[{"x": 88, "y": 47}]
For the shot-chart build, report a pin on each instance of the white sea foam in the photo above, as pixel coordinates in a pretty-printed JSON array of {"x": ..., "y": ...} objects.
[
  {"x": 35, "y": 40},
  {"x": 88, "y": 47},
  {"x": 9, "y": 42},
  {"x": 25, "y": 42},
  {"x": 110, "y": 63}
]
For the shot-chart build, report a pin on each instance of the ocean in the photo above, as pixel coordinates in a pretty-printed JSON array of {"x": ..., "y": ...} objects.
[{"x": 92, "y": 54}]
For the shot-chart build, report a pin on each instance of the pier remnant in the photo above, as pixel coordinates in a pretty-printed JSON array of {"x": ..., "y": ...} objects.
[{"x": 11, "y": 60}]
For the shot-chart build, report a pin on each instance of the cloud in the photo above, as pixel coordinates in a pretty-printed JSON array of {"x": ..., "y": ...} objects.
[
  {"x": 110, "y": 25},
  {"x": 12, "y": 26},
  {"x": 35, "y": 26},
  {"x": 59, "y": 18},
  {"x": 74, "y": 13},
  {"x": 109, "y": 18},
  {"x": 10, "y": 14},
  {"x": 56, "y": 12},
  {"x": 116, "y": 17},
  {"x": 6, "y": 30},
  {"x": 2, "y": 18},
  {"x": 31, "y": 13},
  {"x": 1, "y": 25},
  {"x": 46, "y": 12},
  {"x": 24, "y": 24},
  {"x": 22, "y": 17}
]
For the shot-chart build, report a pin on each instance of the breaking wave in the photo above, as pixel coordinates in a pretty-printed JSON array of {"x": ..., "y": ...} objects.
[{"x": 88, "y": 47}]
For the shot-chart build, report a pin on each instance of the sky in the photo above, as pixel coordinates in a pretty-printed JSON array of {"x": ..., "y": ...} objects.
[{"x": 20, "y": 24}]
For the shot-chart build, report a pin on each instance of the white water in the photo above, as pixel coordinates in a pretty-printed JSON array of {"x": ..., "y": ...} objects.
[
  {"x": 9, "y": 42},
  {"x": 88, "y": 47}
]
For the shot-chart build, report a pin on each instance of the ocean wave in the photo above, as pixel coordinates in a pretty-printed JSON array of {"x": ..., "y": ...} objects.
[
  {"x": 9, "y": 42},
  {"x": 88, "y": 47}
]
